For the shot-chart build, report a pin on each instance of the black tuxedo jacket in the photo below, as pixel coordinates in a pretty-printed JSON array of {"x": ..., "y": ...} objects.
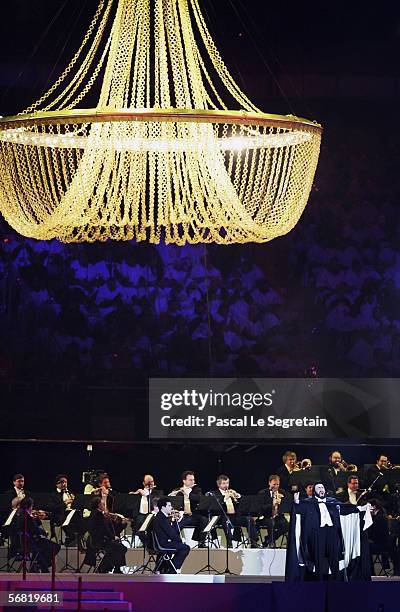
[
  {"x": 284, "y": 477},
  {"x": 220, "y": 497},
  {"x": 109, "y": 500},
  {"x": 266, "y": 493},
  {"x": 12, "y": 494},
  {"x": 194, "y": 497},
  {"x": 57, "y": 506},
  {"x": 167, "y": 533},
  {"x": 344, "y": 497},
  {"x": 371, "y": 475},
  {"x": 100, "y": 530}
]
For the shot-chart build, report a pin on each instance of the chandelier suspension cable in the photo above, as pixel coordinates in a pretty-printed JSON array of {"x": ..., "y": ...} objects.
[
  {"x": 104, "y": 5},
  {"x": 34, "y": 50},
  {"x": 58, "y": 60},
  {"x": 161, "y": 157},
  {"x": 261, "y": 55}
]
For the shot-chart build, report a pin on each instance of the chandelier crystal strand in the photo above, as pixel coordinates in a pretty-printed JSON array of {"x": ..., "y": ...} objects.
[{"x": 160, "y": 157}]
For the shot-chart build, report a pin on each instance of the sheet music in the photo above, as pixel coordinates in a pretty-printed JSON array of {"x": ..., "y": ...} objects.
[
  {"x": 10, "y": 518},
  {"x": 211, "y": 524},
  {"x": 146, "y": 522},
  {"x": 68, "y": 519}
]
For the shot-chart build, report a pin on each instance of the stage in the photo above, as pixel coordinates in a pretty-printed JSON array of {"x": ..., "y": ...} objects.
[
  {"x": 241, "y": 562},
  {"x": 196, "y": 593}
]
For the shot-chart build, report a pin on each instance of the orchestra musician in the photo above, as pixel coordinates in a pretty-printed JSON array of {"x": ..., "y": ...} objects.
[
  {"x": 308, "y": 489},
  {"x": 146, "y": 494},
  {"x": 107, "y": 496},
  {"x": 104, "y": 491},
  {"x": 289, "y": 459},
  {"x": 103, "y": 536},
  {"x": 168, "y": 534},
  {"x": 18, "y": 489},
  {"x": 191, "y": 497},
  {"x": 379, "y": 537},
  {"x": 373, "y": 471},
  {"x": 60, "y": 504},
  {"x": 335, "y": 466},
  {"x": 27, "y": 522},
  {"x": 351, "y": 494},
  {"x": 229, "y": 500},
  {"x": 274, "y": 520}
]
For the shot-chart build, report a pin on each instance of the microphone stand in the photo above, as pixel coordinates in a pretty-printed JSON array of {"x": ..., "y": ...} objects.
[
  {"x": 371, "y": 486},
  {"x": 228, "y": 524}
]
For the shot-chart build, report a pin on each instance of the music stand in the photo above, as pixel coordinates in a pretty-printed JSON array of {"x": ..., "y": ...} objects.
[
  {"x": 298, "y": 479},
  {"x": 228, "y": 524},
  {"x": 207, "y": 529},
  {"x": 250, "y": 505},
  {"x": 81, "y": 501},
  {"x": 7, "y": 523}
]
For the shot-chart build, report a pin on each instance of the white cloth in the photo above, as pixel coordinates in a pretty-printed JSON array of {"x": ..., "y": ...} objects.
[
  {"x": 325, "y": 516},
  {"x": 367, "y": 517}
]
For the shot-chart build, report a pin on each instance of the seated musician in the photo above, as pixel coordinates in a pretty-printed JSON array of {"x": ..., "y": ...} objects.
[
  {"x": 168, "y": 535},
  {"x": 104, "y": 491},
  {"x": 146, "y": 494},
  {"x": 17, "y": 489},
  {"x": 379, "y": 535},
  {"x": 107, "y": 495},
  {"x": 102, "y": 536},
  {"x": 229, "y": 500},
  {"x": 274, "y": 520},
  {"x": 307, "y": 489},
  {"x": 37, "y": 542},
  {"x": 191, "y": 497},
  {"x": 376, "y": 478},
  {"x": 60, "y": 504},
  {"x": 351, "y": 494},
  {"x": 95, "y": 478},
  {"x": 376, "y": 470}
]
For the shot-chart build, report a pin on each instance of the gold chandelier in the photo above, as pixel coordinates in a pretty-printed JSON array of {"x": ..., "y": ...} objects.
[{"x": 160, "y": 157}]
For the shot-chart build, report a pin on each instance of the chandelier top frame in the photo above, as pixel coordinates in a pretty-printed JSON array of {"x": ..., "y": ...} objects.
[{"x": 96, "y": 115}]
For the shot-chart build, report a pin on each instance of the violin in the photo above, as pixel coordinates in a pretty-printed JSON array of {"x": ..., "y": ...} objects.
[
  {"x": 40, "y": 514},
  {"x": 116, "y": 518}
]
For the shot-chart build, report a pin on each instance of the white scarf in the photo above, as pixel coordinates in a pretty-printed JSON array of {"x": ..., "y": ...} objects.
[{"x": 325, "y": 516}]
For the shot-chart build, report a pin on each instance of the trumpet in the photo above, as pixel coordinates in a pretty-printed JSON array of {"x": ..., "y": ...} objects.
[
  {"x": 68, "y": 502},
  {"x": 352, "y": 467},
  {"x": 175, "y": 515},
  {"x": 276, "y": 501},
  {"x": 342, "y": 465},
  {"x": 232, "y": 494},
  {"x": 304, "y": 464}
]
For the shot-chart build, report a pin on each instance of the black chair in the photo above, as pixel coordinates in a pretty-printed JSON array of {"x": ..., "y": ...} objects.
[
  {"x": 378, "y": 560},
  {"x": 32, "y": 556},
  {"x": 93, "y": 557},
  {"x": 164, "y": 555}
]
